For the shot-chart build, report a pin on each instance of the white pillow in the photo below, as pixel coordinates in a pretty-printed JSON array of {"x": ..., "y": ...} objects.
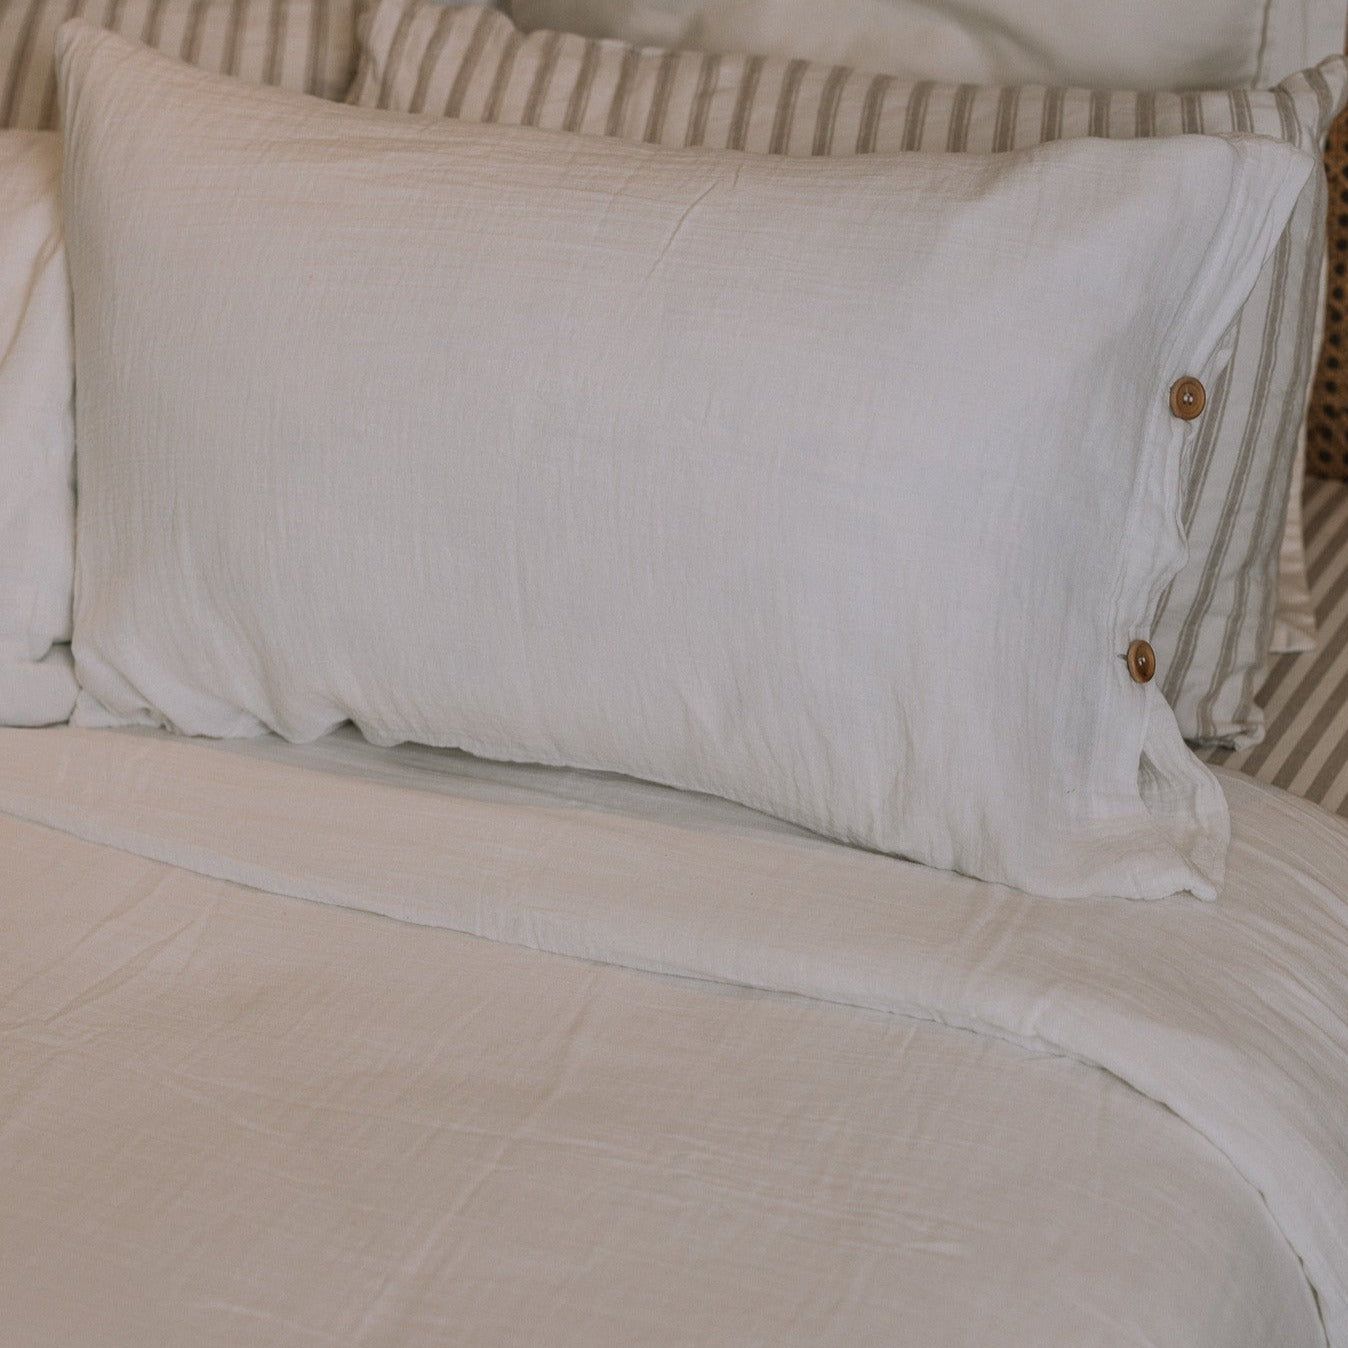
[
  {"x": 37, "y": 505},
  {"x": 1140, "y": 44},
  {"x": 1212, "y": 635},
  {"x": 569, "y": 450}
]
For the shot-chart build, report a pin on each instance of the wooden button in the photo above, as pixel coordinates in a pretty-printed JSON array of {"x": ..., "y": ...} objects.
[
  {"x": 1188, "y": 398},
  {"x": 1141, "y": 661}
]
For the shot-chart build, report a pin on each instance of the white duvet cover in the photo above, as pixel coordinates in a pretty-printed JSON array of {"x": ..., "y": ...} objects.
[{"x": 228, "y": 1117}]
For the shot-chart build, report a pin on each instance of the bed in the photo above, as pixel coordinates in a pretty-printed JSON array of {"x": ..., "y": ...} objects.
[{"x": 362, "y": 1041}]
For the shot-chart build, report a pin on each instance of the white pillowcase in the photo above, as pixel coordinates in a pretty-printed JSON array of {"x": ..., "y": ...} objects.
[
  {"x": 576, "y": 451},
  {"x": 1212, "y": 633},
  {"x": 37, "y": 505},
  {"x": 1139, "y": 44}
]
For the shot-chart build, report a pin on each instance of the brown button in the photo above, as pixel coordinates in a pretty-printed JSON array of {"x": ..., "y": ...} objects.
[
  {"x": 1141, "y": 661},
  {"x": 1188, "y": 398}
]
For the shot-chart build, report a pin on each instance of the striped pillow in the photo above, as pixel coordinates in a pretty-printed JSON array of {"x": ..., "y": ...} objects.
[
  {"x": 305, "y": 45},
  {"x": 1214, "y": 625}
]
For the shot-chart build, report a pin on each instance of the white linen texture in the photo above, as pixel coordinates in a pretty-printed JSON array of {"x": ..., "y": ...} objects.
[
  {"x": 1132, "y": 1137},
  {"x": 1148, "y": 44},
  {"x": 1215, "y": 623},
  {"x": 37, "y": 437},
  {"x": 572, "y": 451}
]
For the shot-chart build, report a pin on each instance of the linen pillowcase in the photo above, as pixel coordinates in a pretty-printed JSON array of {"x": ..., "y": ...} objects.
[
  {"x": 1142, "y": 44},
  {"x": 1214, "y": 630},
  {"x": 37, "y": 441},
  {"x": 1294, "y": 625},
  {"x": 568, "y": 450},
  {"x": 306, "y": 45}
]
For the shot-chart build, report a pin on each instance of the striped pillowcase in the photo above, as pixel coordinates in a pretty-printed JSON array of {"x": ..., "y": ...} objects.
[
  {"x": 1214, "y": 625},
  {"x": 1305, "y": 697},
  {"x": 305, "y": 45}
]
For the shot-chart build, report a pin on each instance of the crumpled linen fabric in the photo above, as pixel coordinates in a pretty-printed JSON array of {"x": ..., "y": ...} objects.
[
  {"x": 432, "y": 1127},
  {"x": 1146, "y": 44}
]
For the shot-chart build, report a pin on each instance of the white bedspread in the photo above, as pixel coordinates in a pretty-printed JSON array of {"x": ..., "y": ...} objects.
[{"x": 227, "y": 1117}]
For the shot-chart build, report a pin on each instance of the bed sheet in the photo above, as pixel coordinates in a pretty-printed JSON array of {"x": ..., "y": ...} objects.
[{"x": 708, "y": 1080}]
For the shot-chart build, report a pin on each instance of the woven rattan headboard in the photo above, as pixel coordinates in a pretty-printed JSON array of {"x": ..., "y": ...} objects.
[{"x": 1327, "y": 428}]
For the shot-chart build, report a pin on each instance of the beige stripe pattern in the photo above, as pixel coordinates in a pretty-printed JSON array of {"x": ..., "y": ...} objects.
[
  {"x": 467, "y": 61},
  {"x": 1305, "y": 697},
  {"x": 1214, "y": 626},
  {"x": 305, "y": 45}
]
